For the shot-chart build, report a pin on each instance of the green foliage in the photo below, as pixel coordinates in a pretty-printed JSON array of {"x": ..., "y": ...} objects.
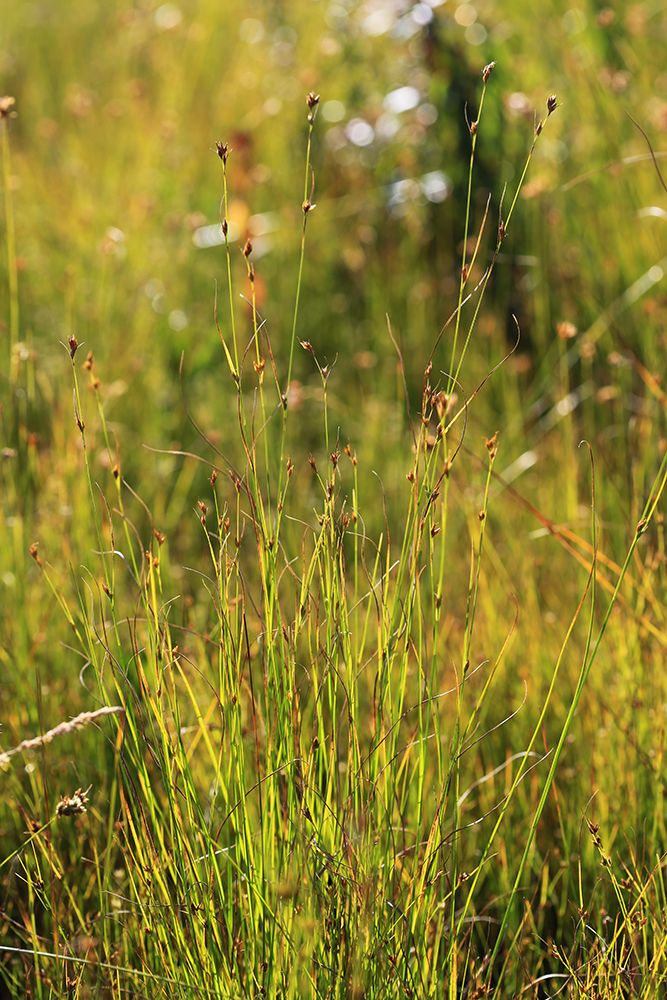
[{"x": 331, "y": 663}]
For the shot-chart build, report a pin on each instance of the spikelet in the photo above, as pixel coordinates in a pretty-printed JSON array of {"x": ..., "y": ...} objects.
[{"x": 78, "y": 722}]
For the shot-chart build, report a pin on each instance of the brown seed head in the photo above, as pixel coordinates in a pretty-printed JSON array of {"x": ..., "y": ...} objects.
[
  {"x": 312, "y": 101},
  {"x": 73, "y": 346},
  {"x": 73, "y": 805},
  {"x": 224, "y": 226},
  {"x": 88, "y": 363},
  {"x": 247, "y": 250},
  {"x": 312, "y": 463},
  {"x": 473, "y": 128},
  {"x": 487, "y": 71},
  {"x": 551, "y": 104},
  {"x": 492, "y": 445},
  {"x": 539, "y": 127},
  {"x": 222, "y": 149}
]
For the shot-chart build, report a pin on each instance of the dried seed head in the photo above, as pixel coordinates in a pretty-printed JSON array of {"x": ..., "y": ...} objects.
[
  {"x": 224, "y": 226},
  {"x": 6, "y": 105},
  {"x": 307, "y": 346},
  {"x": 116, "y": 471},
  {"x": 312, "y": 101},
  {"x": 312, "y": 463},
  {"x": 73, "y": 344},
  {"x": 551, "y": 104},
  {"x": 88, "y": 363},
  {"x": 73, "y": 805},
  {"x": 290, "y": 467},
  {"x": 222, "y": 149},
  {"x": 214, "y": 476},
  {"x": 161, "y": 539},
  {"x": 204, "y": 510},
  {"x": 539, "y": 127},
  {"x": 334, "y": 458},
  {"x": 33, "y": 553},
  {"x": 487, "y": 71},
  {"x": 247, "y": 250},
  {"x": 307, "y": 206},
  {"x": 473, "y": 128}
]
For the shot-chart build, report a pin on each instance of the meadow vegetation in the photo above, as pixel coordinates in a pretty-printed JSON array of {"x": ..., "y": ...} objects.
[{"x": 332, "y": 561}]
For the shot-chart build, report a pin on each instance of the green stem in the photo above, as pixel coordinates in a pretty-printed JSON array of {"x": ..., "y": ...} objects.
[{"x": 11, "y": 253}]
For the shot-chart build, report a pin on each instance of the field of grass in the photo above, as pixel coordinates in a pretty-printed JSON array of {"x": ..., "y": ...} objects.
[{"x": 333, "y": 585}]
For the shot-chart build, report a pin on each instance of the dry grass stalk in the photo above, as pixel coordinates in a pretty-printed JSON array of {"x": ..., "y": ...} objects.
[{"x": 61, "y": 730}]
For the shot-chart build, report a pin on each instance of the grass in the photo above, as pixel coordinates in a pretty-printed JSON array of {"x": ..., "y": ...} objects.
[{"x": 350, "y": 682}]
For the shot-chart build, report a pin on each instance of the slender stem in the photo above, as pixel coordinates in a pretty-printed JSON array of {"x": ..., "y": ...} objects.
[
  {"x": 464, "y": 275},
  {"x": 12, "y": 270}
]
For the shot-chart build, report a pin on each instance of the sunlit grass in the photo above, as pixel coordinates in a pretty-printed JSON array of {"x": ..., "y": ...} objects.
[{"x": 362, "y": 741}]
